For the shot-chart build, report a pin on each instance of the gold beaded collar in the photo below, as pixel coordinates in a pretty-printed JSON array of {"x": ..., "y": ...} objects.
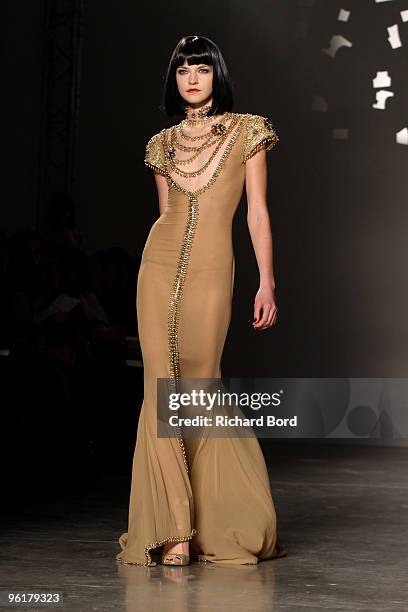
[{"x": 199, "y": 115}]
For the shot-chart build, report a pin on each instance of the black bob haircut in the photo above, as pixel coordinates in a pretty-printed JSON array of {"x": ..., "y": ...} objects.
[{"x": 197, "y": 50}]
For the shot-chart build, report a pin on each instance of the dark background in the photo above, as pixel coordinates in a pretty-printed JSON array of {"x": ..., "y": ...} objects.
[{"x": 338, "y": 207}]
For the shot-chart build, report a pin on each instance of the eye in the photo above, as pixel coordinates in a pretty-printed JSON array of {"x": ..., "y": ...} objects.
[{"x": 204, "y": 70}]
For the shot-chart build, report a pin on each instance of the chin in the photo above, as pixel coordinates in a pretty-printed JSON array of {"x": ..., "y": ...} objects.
[{"x": 196, "y": 99}]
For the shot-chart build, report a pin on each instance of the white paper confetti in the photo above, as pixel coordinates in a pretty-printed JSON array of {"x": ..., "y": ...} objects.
[
  {"x": 402, "y": 136},
  {"x": 381, "y": 98},
  {"x": 337, "y": 42},
  {"x": 382, "y": 79},
  {"x": 394, "y": 37},
  {"x": 343, "y": 15}
]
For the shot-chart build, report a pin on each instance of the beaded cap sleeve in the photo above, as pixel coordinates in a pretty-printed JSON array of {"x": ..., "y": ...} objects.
[
  {"x": 259, "y": 134},
  {"x": 155, "y": 157}
]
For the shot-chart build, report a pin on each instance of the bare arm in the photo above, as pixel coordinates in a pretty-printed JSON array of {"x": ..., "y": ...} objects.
[
  {"x": 256, "y": 176},
  {"x": 162, "y": 191}
]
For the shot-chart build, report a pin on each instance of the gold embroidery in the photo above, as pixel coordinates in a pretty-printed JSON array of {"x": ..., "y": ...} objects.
[
  {"x": 260, "y": 133},
  {"x": 215, "y": 127},
  {"x": 239, "y": 120},
  {"x": 154, "y": 157}
]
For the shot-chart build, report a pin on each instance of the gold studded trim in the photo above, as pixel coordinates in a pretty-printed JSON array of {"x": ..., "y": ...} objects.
[
  {"x": 259, "y": 134},
  {"x": 155, "y": 168},
  {"x": 154, "y": 155},
  {"x": 153, "y": 545},
  {"x": 175, "y": 303},
  {"x": 266, "y": 143}
]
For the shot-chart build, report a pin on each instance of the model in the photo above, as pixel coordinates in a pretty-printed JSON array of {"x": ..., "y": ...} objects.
[{"x": 207, "y": 498}]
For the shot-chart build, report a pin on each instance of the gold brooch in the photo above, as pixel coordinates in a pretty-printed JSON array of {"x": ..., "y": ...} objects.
[{"x": 218, "y": 129}]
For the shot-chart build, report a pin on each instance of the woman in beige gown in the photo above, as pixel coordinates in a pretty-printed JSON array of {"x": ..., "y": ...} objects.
[{"x": 211, "y": 493}]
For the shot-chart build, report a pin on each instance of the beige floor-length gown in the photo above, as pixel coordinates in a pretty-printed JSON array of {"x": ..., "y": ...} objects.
[{"x": 212, "y": 491}]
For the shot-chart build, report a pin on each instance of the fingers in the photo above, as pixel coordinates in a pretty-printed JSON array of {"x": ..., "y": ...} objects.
[
  {"x": 269, "y": 316},
  {"x": 257, "y": 312},
  {"x": 261, "y": 320}
]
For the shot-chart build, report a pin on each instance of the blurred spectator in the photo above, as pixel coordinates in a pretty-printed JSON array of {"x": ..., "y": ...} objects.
[{"x": 64, "y": 321}]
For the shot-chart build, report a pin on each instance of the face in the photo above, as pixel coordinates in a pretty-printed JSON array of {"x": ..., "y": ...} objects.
[{"x": 194, "y": 82}]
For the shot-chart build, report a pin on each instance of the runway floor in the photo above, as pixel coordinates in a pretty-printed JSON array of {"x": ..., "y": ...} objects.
[{"x": 343, "y": 519}]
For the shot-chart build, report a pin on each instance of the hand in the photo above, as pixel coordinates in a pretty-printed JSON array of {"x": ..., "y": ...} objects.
[{"x": 265, "y": 309}]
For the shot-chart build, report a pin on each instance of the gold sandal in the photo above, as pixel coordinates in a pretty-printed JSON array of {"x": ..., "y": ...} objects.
[{"x": 175, "y": 559}]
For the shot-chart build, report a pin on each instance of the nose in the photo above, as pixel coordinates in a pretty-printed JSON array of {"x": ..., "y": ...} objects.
[{"x": 193, "y": 78}]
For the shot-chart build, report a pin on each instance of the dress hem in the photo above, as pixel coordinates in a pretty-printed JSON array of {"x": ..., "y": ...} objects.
[{"x": 153, "y": 545}]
